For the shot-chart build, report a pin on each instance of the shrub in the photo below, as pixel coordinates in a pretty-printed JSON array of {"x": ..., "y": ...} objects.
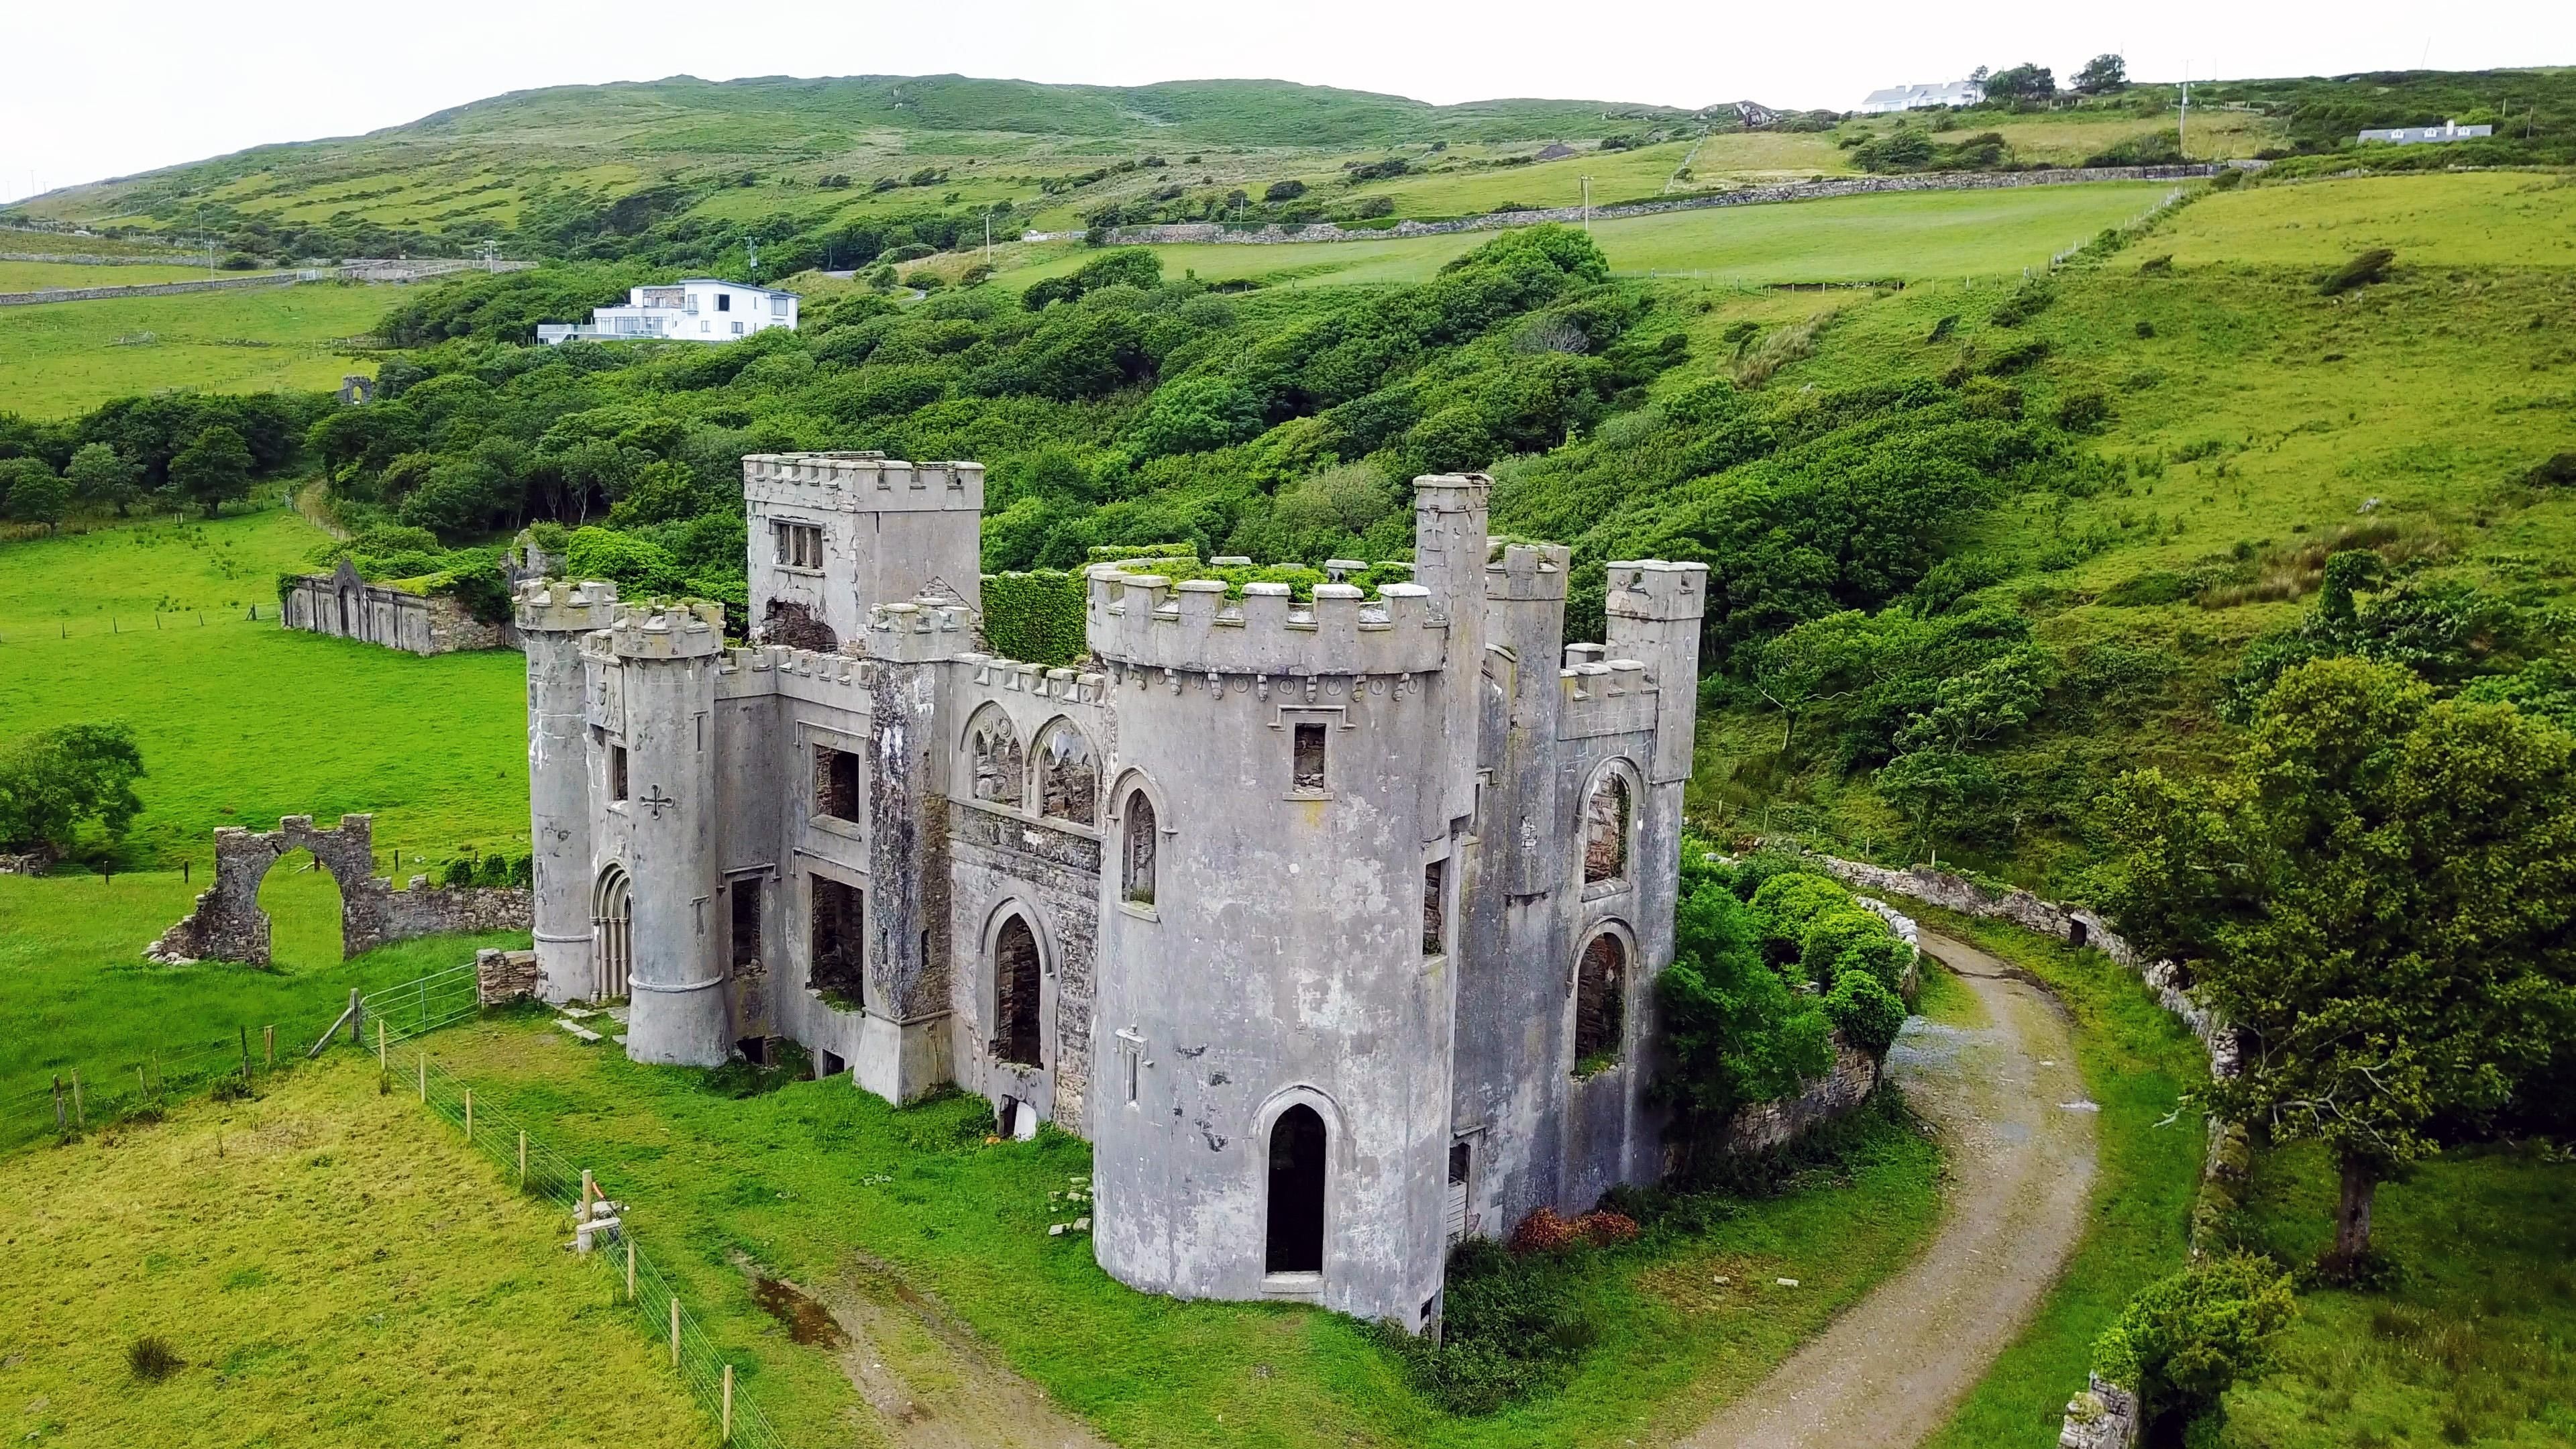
[
  {"x": 2185, "y": 1339},
  {"x": 1512, "y": 1325},
  {"x": 2027, "y": 301},
  {"x": 152, "y": 1359},
  {"x": 457, "y": 872},
  {"x": 1832, "y": 931},
  {"x": 1284, "y": 191},
  {"x": 2361, "y": 271},
  {"x": 2083, "y": 409},
  {"x": 1866, "y": 1013}
]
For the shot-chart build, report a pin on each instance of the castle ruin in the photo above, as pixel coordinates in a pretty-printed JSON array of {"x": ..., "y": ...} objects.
[{"x": 1332, "y": 925}]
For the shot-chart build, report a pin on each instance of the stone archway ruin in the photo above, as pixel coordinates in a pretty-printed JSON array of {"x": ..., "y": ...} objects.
[{"x": 228, "y": 925}]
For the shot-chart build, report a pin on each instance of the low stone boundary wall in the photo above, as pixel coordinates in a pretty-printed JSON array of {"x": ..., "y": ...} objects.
[
  {"x": 145, "y": 289},
  {"x": 1325, "y": 231},
  {"x": 345, "y": 606},
  {"x": 1763, "y": 1125},
  {"x": 228, "y": 925},
  {"x": 504, "y": 976}
]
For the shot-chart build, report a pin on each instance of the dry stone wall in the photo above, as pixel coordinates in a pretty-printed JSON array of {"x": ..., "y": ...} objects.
[{"x": 1208, "y": 231}]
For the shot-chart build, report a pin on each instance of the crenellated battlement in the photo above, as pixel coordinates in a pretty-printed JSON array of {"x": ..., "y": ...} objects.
[
  {"x": 862, "y": 483},
  {"x": 678, "y": 631},
  {"x": 1010, "y": 676},
  {"x": 1147, "y": 621},
  {"x": 925, "y": 629},
  {"x": 1654, "y": 589},
  {"x": 565, "y": 608},
  {"x": 1597, "y": 696},
  {"x": 842, "y": 680},
  {"x": 1528, "y": 572}
]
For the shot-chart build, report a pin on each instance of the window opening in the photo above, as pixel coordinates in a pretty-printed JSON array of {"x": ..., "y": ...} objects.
[
  {"x": 1605, "y": 831},
  {"x": 1139, "y": 850},
  {"x": 616, "y": 772},
  {"x": 1456, "y": 1204},
  {"x": 1015, "y": 990},
  {"x": 1296, "y": 1236},
  {"x": 840, "y": 952},
  {"x": 1434, "y": 908},
  {"x": 836, "y": 783},
  {"x": 746, "y": 925},
  {"x": 1307, "y": 777},
  {"x": 797, "y": 545},
  {"x": 724, "y": 301},
  {"x": 1599, "y": 1002},
  {"x": 1068, "y": 779},
  {"x": 994, "y": 748}
]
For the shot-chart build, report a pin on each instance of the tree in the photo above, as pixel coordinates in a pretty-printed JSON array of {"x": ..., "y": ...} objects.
[
  {"x": 37, "y": 496},
  {"x": 1734, "y": 1031},
  {"x": 2379, "y": 898},
  {"x": 2024, "y": 82},
  {"x": 53, "y": 781},
  {"x": 1284, "y": 191},
  {"x": 100, "y": 477},
  {"x": 17, "y": 473},
  {"x": 2102, "y": 75},
  {"x": 213, "y": 470}
]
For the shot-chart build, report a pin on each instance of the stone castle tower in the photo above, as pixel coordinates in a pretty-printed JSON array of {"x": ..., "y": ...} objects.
[{"x": 1332, "y": 925}]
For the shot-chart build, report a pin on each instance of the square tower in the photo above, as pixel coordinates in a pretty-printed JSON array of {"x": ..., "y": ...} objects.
[{"x": 835, "y": 534}]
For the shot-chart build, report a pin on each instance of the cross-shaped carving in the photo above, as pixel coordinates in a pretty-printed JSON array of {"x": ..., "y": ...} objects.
[{"x": 657, "y": 800}]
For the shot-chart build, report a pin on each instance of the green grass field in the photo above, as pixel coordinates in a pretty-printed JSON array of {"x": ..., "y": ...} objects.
[
  {"x": 2137, "y": 1062},
  {"x": 1910, "y": 235},
  {"x": 62, "y": 358},
  {"x": 2477, "y": 1344},
  {"x": 798, "y": 1180},
  {"x": 241, "y": 722},
  {"x": 330, "y": 1268},
  {"x": 2475, "y": 219}
]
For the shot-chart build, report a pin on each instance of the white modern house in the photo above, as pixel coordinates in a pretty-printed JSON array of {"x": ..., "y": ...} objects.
[
  {"x": 694, "y": 309},
  {"x": 2424, "y": 135},
  {"x": 1906, "y": 98}
]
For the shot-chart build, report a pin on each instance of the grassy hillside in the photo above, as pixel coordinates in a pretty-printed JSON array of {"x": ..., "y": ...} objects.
[
  {"x": 61, "y": 358},
  {"x": 329, "y": 1268}
]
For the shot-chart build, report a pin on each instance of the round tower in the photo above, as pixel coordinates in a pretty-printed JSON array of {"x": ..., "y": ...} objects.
[
  {"x": 1274, "y": 999},
  {"x": 552, "y": 617},
  {"x": 668, "y": 661}
]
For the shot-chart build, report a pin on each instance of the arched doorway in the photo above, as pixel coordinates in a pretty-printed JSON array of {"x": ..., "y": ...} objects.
[
  {"x": 302, "y": 902},
  {"x": 612, "y": 933},
  {"x": 1296, "y": 1238},
  {"x": 1016, "y": 1035}
]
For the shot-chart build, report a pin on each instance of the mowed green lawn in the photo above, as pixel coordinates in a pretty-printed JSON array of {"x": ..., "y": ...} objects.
[
  {"x": 34, "y": 276},
  {"x": 242, "y": 722},
  {"x": 331, "y": 1268},
  {"x": 62, "y": 358},
  {"x": 1908, "y": 235},
  {"x": 815, "y": 1180}
]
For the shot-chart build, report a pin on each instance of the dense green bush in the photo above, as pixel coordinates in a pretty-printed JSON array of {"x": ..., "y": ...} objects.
[
  {"x": 1036, "y": 618},
  {"x": 1512, "y": 1325},
  {"x": 2185, "y": 1339}
]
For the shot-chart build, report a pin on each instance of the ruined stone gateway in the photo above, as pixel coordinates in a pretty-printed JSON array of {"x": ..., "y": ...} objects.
[{"x": 1333, "y": 927}]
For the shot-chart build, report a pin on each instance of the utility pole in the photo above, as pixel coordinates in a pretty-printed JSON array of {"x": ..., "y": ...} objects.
[
  {"x": 988, "y": 236},
  {"x": 2182, "y": 128},
  {"x": 753, "y": 244},
  {"x": 1587, "y": 205}
]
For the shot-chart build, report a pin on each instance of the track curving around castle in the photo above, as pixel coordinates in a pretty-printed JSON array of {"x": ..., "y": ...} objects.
[{"x": 2013, "y": 1117}]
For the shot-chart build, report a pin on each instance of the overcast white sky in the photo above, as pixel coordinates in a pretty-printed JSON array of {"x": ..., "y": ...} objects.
[{"x": 100, "y": 88}]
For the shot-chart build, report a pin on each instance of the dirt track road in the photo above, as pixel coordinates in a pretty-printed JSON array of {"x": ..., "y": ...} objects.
[{"x": 2013, "y": 1117}]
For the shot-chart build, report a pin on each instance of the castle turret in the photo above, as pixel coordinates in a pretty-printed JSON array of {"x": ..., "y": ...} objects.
[
  {"x": 1449, "y": 548},
  {"x": 1654, "y": 611},
  {"x": 833, "y": 535},
  {"x": 904, "y": 1040},
  {"x": 668, "y": 662},
  {"x": 552, "y": 618}
]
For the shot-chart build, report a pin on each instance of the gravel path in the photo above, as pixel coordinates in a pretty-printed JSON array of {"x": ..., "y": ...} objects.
[{"x": 2018, "y": 1130}]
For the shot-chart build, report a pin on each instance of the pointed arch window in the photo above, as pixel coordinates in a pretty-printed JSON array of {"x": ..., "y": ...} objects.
[{"x": 1136, "y": 852}]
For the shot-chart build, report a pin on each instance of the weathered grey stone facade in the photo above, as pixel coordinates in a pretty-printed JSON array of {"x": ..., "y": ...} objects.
[
  {"x": 228, "y": 925},
  {"x": 346, "y": 606},
  {"x": 1333, "y": 925}
]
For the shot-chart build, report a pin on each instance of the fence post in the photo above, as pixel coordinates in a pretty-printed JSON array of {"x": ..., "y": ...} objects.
[
  {"x": 61, "y": 1124},
  {"x": 380, "y": 1044},
  {"x": 357, "y": 1021},
  {"x": 675, "y": 1330},
  {"x": 523, "y": 1165},
  {"x": 245, "y": 1050},
  {"x": 424, "y": 1076},
  {"x": 630, "y": 1263},
  {"x": 469, "y": 1114},
  {"x": 728, "y": 1401},
  {"x": 80, "y": 1114},
  {"x": 268, "y": 1045}
]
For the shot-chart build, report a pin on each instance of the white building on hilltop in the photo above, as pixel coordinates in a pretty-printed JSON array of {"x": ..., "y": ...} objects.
[
  {"x": 2423, "y": 135},
  {"x": 695, "y": 309},
  {"x": 1906, "y": 98}
]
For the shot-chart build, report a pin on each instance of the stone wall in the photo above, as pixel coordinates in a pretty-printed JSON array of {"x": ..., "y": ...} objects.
[
  {"x": 149, "y": 289},
  {"x": 1208, "y": 231},
  {"x": 228, "y": 925},
  {"x": 345, "y": 606},
  {"x": 1764, "y": 1125},
  {"x": 36, "y": 864},
  {"x": 504, "y": 976}
]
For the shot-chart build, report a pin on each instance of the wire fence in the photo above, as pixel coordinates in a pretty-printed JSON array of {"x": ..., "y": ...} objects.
[
  {"x": 441, "y": 998},
  {"x": 542, "y": 1172},
  {"x": 76, "y": 1102},
  {"x": 150, "y": 621}
]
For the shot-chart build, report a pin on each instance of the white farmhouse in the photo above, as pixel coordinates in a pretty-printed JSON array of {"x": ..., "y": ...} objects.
[
  {"x": 695, "y": 309},
  {"x": 2424, "y": 135},
  {"x": 1906, "y": 98}
]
